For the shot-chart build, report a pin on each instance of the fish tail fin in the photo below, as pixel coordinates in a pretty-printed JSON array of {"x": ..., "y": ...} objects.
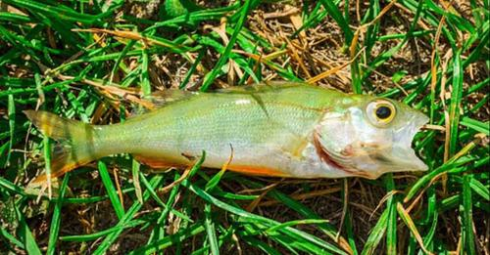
[{"x": 76, "y": 142}]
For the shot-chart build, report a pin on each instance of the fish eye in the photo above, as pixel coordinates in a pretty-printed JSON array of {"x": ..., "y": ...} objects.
[{"x": 381, "y": 112}]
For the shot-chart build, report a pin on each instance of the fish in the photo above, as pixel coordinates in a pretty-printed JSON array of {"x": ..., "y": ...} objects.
[{"x": 276, "y": 129}]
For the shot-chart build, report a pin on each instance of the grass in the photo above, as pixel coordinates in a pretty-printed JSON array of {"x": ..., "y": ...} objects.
[{"x": 94, "y": 60}]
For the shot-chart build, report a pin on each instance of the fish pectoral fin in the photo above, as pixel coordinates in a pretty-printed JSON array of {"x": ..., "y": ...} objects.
[
  {"x": 298, "y": 148},
  {"x": 257, "y": 170},
  {"x": 158, "y": 163}
]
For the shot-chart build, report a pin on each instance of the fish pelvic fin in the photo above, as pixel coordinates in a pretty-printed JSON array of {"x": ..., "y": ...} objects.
[{"x": 75, "y": 147}]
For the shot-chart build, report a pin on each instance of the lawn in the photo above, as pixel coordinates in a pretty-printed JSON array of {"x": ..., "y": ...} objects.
[{"x": 95, "y": 61}]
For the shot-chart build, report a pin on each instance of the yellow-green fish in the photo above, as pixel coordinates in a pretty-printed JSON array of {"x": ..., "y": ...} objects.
[{"x": 279, "y": 129}]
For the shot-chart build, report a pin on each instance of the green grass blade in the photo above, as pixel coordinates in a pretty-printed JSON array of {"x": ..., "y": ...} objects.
[
  {"x": 482, "y": 127},
  {"x": 109, "y": 239},
  {"x": 377, "y": 233},
  {"x": 467, "y": 224},
  {"x": 209, "y": 78},
  {"x": 480, "y": 189},
  {"x": 56, "y": 220},
  {"x": 111, "y": 190},
  {"x": 211, "y": 230},
  {"x": 25, "y": 235},
  {"x": 454, "y": 113}
]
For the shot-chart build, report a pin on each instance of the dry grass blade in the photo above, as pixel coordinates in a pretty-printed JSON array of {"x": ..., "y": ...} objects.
[
  {"x": 256, "y": 202},
  {"x": 303, "y": 196},
  {"x": 114, "y": 89},
  {"x": 411, "y": 226},
  {"x": 132, "y": 36},
  {"x": 184, "y": 176},
  {"x": 333, "y": 70},
  {"x": 361, "y": 29}
]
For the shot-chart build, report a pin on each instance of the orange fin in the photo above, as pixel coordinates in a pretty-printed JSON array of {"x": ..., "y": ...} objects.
[
  {"x": 257, "y": 170},
  {"x": 158, "y": 163},
  {"x": 61, "y": 164}
]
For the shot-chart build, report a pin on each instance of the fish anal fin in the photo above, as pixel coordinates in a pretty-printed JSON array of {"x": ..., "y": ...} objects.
[
  {"x": 257, "y": 170},
  {"x": 158, "y": 163}
]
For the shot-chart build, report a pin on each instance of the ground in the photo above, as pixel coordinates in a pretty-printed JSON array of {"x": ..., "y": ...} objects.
[{"x": 96, "y": 61}]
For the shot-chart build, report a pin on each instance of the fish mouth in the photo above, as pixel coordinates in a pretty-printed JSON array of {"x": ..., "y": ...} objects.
[{"x": 402, "y": 156}]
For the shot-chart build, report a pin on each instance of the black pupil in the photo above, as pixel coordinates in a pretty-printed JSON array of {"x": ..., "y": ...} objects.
[{"x": 383, "y": 112}]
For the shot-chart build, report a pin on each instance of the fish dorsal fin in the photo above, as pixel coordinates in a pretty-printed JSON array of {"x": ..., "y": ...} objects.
[
  {"x": 268, "y": 86},
  {"x": 162, "y": 98}
]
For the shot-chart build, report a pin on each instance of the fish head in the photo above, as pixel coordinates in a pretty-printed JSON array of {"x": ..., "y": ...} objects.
[{"x": 368, "y": 136}]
